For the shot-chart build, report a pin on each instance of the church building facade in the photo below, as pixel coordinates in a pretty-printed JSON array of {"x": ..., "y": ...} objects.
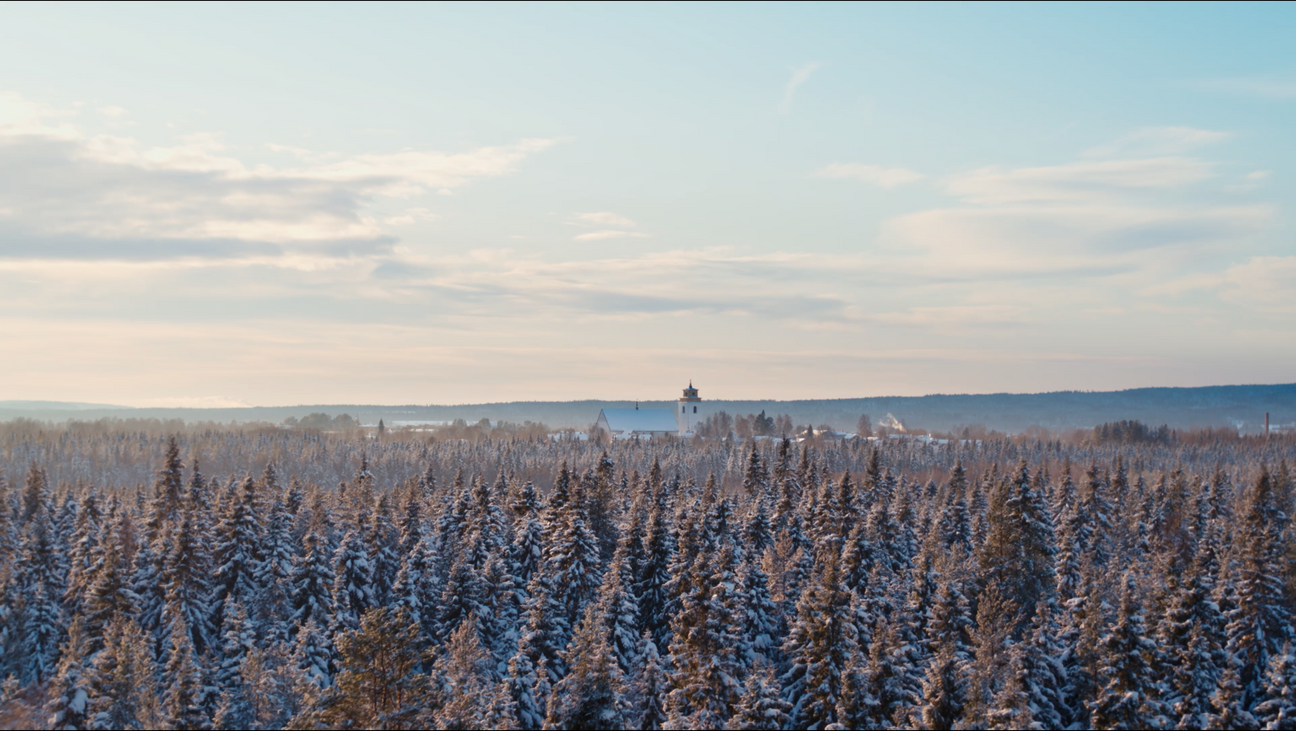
[{"x": 647, "y": 423}]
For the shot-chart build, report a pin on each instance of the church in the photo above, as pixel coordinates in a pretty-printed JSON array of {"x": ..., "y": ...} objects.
[{"x": 647, "y": 423}]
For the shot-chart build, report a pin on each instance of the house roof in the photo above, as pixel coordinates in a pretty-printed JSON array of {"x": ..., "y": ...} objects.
[{"x": 640, "y": 420}]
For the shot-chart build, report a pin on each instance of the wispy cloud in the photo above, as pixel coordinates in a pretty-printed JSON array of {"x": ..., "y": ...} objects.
[
  {"x": 800, "y": 74},
  {"x": 610, "y": 234},
  {"x": 603, "y": 218},
  {"x": 1256, "y": 86},
  {"x": 1078, "y": 181},
  {"x": 57, "y": 179},
  {"x": 1153, "y": 141},
  {"x": 1084, "y": 219},
  {"x": 1266, "y": 283},
  {"x": 956, "y": 315},
  {"x": 411, "y": 216},
  {"x": 610, "y": 226},
  {"x": 873, "y": 174},
  {"x": 1075, "y": 240}
]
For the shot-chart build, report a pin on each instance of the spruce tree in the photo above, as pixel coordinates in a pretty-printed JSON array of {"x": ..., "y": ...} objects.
[
  {"x": 542, "y": 638},
  {"x": 819, "y": 646},
  {"x": 1031, "y": 694},
  {"x": 312, "y": 581},
  {"x": 942, "y": 688},
  {"x": 1258, "y": 625},
  {"x": 69, "y": 705},
  {"x": 648, "y": 689},
  {"x": 84, "y": 553},
  {"x": 996, "y": 617},
  {"x": 168, "y": 493},
  {"x": 122, "y": 680},
  {"x": 654, "y": 575},
  {"x": 1228, "y": 704},
  {"x": 760, "y": 615},
  {"x": 894, "y": 680},
  {"x": 1084, "y": 624},
  {"x": 1278, "y": 709},
  {"x": 1018, "y": 551},
  {"x": 1012, "y": 707},
  {"x": 761, "y": 707},
  {"x": 1070, "y": 555},
  {"x": 411, "y": 520},
  {"x": 573, "y": 562},
  {"x": 237, "y": 555},
  {"x": 943, "y": 693},
  {"x": 755, "y": 478},
  {"x": 184, "y": 580},
  {"x": 1044, "y": 652},
  {"x": 273, "y": 575},
  {"x": 43, "y": 625},
  {"x": 520, "y": 684},
  {"x": 707, "y": 646},
  {"x": 417, "y": 589},
  {"x": 110, "y": 594},
  {"x": 1095, "y": 510},
  {"x": 182, "y": 681},
  {"x": 277, "y": 689},
  {"x": 462, "y": 672},
  {"x": 503, "y": 711},
  {"x": 500, "y": 609},
  {"x": 239, "y": 636},
  {"x": 858, "y": 558},
  {"x": 461, "y": 601},
  {"x": 382, "y": 540},
  {"x": 527, "y": 549},
  {"x": 379, "y": 683},
  {"x": 313, "y": 653},
  {"x": 352, "y": 583},
  {"x": 758, "y": 533},
  {"x": 36, "y": 494},
  {"x": 619, "y": 611},
  {"x": 1126, "y": 685},
  {"x": 1190, "y": 637},
  {"x": 146, "y": 582},
  {"x": 591, "y": 695}
]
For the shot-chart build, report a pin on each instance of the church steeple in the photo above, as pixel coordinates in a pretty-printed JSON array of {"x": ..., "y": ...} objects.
[{"x": 688, "y": 415}]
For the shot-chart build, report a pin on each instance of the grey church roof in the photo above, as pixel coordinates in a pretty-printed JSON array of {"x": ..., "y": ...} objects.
[{"x": 640, "y": 420}]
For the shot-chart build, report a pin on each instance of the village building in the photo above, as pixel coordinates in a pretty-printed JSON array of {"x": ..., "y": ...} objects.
[{"x": 648, "y": 423}]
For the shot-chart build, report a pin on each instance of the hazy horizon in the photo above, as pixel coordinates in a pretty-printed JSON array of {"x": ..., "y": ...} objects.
[
  {"x": 655, "y": 398},
  {"x": 225, "y": 205}
]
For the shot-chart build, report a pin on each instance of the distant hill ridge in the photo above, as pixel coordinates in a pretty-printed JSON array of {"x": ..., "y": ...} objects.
[
  {"x": 57, "y": 405},
  {"x": 1241, "y": 407}
]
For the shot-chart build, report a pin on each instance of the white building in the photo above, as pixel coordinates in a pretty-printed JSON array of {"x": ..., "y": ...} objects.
[
  {"x": 688, "y": 416},
  {"x": 637, "y": 422}
]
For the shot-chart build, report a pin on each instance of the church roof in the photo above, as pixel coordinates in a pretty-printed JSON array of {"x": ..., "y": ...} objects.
[{"x": 640, "y": 420}]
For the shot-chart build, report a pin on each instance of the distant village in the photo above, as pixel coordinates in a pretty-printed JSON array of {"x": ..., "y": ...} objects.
[{"x": 691, "y": 419}]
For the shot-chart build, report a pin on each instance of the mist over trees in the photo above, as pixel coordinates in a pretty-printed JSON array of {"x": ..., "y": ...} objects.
[{"x": 311, "y": 578}]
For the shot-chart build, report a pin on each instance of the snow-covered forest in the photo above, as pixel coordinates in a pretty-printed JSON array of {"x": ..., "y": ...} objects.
[{"x": 279, "y": 579}]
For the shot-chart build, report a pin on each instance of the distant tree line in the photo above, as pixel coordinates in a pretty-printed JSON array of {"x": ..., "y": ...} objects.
[
  {"x": 323, "y": 422},
  {"x": 1133, "y": 432}
]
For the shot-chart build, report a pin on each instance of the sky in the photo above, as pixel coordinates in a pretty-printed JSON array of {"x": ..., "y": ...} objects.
[{"x": 224, "y": 205}]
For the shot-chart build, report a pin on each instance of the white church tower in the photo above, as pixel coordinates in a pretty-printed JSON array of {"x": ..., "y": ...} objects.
[{"x": 688, "y": 415}]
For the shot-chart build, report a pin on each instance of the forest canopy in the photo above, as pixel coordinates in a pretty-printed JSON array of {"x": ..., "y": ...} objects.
[{"x": 262, "y": 577}]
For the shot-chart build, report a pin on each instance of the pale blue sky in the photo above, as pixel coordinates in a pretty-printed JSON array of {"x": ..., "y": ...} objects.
[{"x": 396, "y": 204}]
